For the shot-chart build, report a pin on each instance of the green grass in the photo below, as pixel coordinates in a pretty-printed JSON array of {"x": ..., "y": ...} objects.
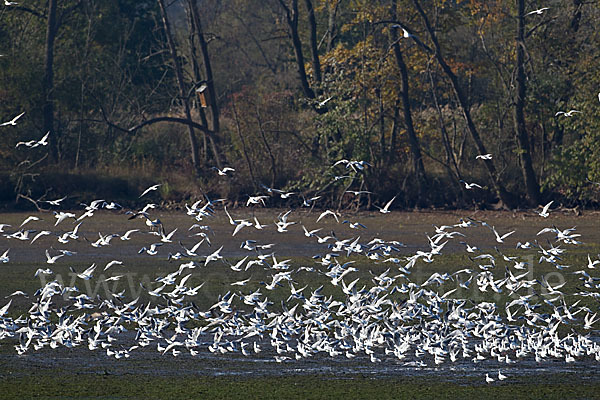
[{"x": 295, "y": 387}]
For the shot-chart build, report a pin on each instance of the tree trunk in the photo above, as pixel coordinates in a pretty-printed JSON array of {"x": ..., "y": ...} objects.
[
  {"x": 331, "y": 26},
  {"x": 503, "y": 195},
  {"x": 181, "y": 83},
  {"x": 531, "y": 184},
  {"x": 197, "y": 74},
  {"x": 316, "y": 64},
  {"x": 212, "y": 94},
  {"x": 48, "y": 80},
  {"x": 415, "y": 148},
  {"x": 291, "y": 15}
]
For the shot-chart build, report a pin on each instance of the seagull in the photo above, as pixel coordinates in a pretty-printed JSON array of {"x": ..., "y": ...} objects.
[
  {"x": 46, "y": 271},
  {"x": 167, "y": 238},
  {"x": 151, "y": 188},
  {"x": 322, "y": 103},
  {"x": 30, "y": 144},
  {"x": 501, "y": 377},
  {"x": 544, "y": 213},
  {"x": 311, "y": 233},
  {"x": 87, "y": 274},
  {"x": 214, "y": 256},
  {"x": 61, "y": 216},
  {"x": 354, "y": 225},
  {"x": 309, "y": 202},
  {"x": 127, "y": 235},
  {"x": 328, "y": 212},
  {"x": 483, "y": 157},
  {"x": 4, "y": 309},
  {"x": 52, "y": 260},
  {"x": 241, "y": 283},
  {"x": 29, "y": 219},
  {"x": 500, "y": 239},
  {"x": 405, "y": 34},
  {"x": 39, "y": 235},
  {"x": 44, "y": 140},
  {"x": 256, "y": 200},
  {"x": 470, "y": 186},
  {"x": 4, "y": 257},
  {"x": 152, "y": 251},
  {"x": 111, "y": 263},
  {"x": 385, "y": 209},
  {"x": 258, "y": 225},
  {"x": 17, "y": 293},
  {"x": 591, "y": 264},
  {"x": 488, "y": 379},
  {"x": 54, "y": 202},
  {"x": 567, "y": 114},
  {"x": 224, "y": 171},
  {"x": 358, "y": 192},
  {"x": 355, "y": 165},
  {"x": 14, "y": 120},
  {"x": 539, "y": 11}
]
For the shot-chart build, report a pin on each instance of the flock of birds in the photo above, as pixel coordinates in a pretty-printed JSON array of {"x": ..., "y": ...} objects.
[{"x": 387, "y": 316}]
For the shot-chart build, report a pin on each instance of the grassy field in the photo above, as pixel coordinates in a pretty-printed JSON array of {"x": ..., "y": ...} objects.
[
  {"x": 295, "y": 387},
  {"x": 63, "y": 373}
]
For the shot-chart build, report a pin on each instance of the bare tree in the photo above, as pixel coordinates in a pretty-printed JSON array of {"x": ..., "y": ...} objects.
[
  {"x": 182, "y": 89},
  {"x": 531, "y": 183},
  {"x": 413, "y": 140}
]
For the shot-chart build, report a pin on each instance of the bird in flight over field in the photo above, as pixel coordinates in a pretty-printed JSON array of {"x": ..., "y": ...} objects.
[
  {"x": 539, "y": 11},
  {"x": 385, "y": 209},
  {"x": 12, "y": 121},
  {"x": 151, "y": 188},
  {"x": 567, "y": 114}
]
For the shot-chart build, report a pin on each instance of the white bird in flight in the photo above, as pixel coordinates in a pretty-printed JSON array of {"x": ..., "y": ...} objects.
[
  {"x": 487, "y": 156},
  {"x": 544, "y": 213},
  {"x": 224, "y": 171},
  {"x": 151, "y": 188},
  {"x": 14, "y": 120},
  {"x": 385, "y": 209},
  {"x": 539, "y": 11},
  {"x": 567, "y": 114},
  {"x": 470, "y": 186},
  {"x": 4, "y": 257}
]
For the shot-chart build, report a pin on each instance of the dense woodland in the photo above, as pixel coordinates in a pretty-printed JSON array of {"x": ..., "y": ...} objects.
[{"x": 137, "y": 92}]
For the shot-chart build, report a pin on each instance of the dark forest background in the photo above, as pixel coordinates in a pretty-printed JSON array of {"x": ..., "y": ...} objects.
[{"x": 138, "y": 92}]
